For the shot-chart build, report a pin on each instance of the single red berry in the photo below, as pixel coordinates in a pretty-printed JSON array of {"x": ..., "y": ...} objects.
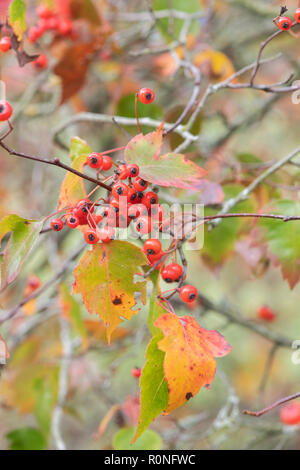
[
  {"x": 176, "y": 269},
  {"x": 290, "y": 414},
  {"x": 91, "y": 236},
  {"x": 72, "y": 221},
  {"x": 146, "y": 95},
  {"x": 284, "y": 23},
  {"x": 97, "y": 218},
  {"x": 41, "y": 62},
  {"x": 44, "y": 12},
  {"x": 57, "y": 225},
  {"x": 106, "y": 234},
  {"x": 266, "y": 313},
  {"x": 168, "y": 275},
  {"x": 107, "y": 162},
  {"x": 136, "y": 372},
  {"x": 139, "y": 197},
  {"x": 131, "y": 196},
  {"x": 95, "y": 160},
  {"x": 34, "y": 33},
  {"x": 152, "y": 246},
  {"x": 188, "y": 293},
  {"x": 64, "y": 27},
  {"x": 33, "y": 283},
  {"x": 5, "y": 44},
  {"x": 143, "y": 225},
  {"x": 5, "y": 110},
  {"x": 154, "y": 258},
  {"x": 53, "y": 22},
  {"x": 119, "y": 189},
  {"x": 139, "y": 184},
  {"x": 136, "y": 210},
  {"x": 133, "y": 170},
  {"x": 149, "y": 199},
  {"x": 297, "y": 15},
  {"x": 123, "y": 172}
]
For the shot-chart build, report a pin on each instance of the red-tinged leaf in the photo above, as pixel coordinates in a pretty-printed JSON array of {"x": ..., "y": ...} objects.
[
  {"x": 171, "y": 169},
  {"x": 72, "y": 188},
  {"x": 23, "y": 236},
  {"x": 105, "y": 290},
  {"x": 189, "y": 362},
  {"x": 283, "y": 241}
]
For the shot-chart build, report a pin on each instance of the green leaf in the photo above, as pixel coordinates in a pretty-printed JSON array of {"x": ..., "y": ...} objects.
[
  {"x": 24, "y": 234},
  {"x": 154, "y": 390},
  {"x": 284, "y": 240},
  {"x": 170, "y": 169},
  {"x": 149, "y": 441},
  {"x": 79, "y": 147},
  {"x": 105, "y": 290},
  {"x": 26, "y": 439},
  {"x": 17, "y": 17},
  {"x": 126, "y": 108}
]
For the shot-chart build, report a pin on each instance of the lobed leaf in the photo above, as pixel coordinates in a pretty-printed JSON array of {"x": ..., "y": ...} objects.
[
  {"x": 105, "y": 290},
  {"x": 171, "y": 169},
  {"x": 189, "y": 362}
]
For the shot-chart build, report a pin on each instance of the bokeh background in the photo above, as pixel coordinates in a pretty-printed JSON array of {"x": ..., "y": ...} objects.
[{"x": 239, "y": 130}]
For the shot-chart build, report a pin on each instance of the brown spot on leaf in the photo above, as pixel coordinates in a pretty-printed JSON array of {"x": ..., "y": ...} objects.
[
  {"x": 189, "y": 395},
  {"x": 117, "y": 301}
]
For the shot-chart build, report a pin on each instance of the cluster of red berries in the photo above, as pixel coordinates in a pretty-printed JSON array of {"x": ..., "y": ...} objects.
[
  {"x": 49, "y": 20},
  {"x": 285, "y": 23},
  {"x": 5, "y": 44},
  {"x": 6, "y": 110}
]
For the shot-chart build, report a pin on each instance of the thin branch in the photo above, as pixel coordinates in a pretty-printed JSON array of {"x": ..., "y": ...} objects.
[{"x": 271, "y": 407}]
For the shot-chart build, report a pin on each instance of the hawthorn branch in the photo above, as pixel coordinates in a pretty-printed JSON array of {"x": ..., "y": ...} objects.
[
  {"x": 54, "y": 162},
  {"x": 257, "y": 414}
]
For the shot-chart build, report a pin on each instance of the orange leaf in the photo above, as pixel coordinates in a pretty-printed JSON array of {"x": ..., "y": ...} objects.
[
  {"x": 215, "y": 64},
  {"x": 189, "y": 362}
]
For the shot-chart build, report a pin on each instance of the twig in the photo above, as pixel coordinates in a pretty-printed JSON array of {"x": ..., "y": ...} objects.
[{"x": 271, "y": 407}]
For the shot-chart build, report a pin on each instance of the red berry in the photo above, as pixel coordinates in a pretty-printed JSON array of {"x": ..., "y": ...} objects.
[
  {"x": 131, "y": 196},
  {"x": 34, "y": 34},
  {"x": 57, "y": 225},
  {"x": 41, "y": 62},
  {"x": 139, "y": 184},
  {"x": 188, "y": 293},
  {"x": 33, "y": 283},
  {"x": 154, "y": 258},
  {"x": 44, "y": 12},
  {"x": 64, "y": 27},
  {"x": 146, "y": 95},
  {"x": 266, "y": 313},
  {"x": 143, "y": 225},
  {"x": 91, "y": 236},
  {"x": 133, "y": 170},
  {"x": 97, "y": 218},
  {"x": 290, "y": 414},
  {"x": 149, "y": 199},
  {"x": 5, "y": 44},
  {"x": 106, "y": 234},
  {"x": 53, "y": 22},
  {"x": 168, "y": 275},
  {"x": 297, "y": 15},
  {"x": 284, "y": 23},
  {"x": 152, "y": 246},
  {"x": 5, "y": 110},
  {"x": 136, "y": 210},
  {"x": 176, "y": 269},
  {"x": 119, "y": 189},
  {"x": 123, "y": 172},
  {"x": 136, "y": 372},
  {"x": 72, "y": 221},
  {"x": 107, "y": 162},
  {"x": 95, "y": 160}
]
